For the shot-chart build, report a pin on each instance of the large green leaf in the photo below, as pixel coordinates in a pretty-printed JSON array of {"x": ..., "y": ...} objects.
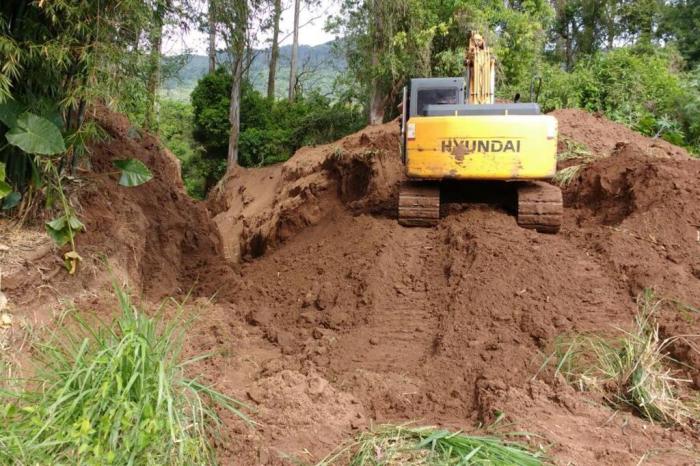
[
  {"x": 36, "y": 135},
  {"x": 5, "y": 189},
  {"x": 134, "y": 172},
  {"x": 62, "y": 228},
  {"x": 11, "y": 200},
  {"x": 9, "y": 110}
]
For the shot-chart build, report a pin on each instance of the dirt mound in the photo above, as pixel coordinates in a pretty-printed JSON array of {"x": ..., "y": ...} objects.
[
  {"x": 339, "y": 317},
  {"x": 631, "y": 184},
  {"x": 165, "y": 241},
  {"x": 154, "y": 235},
  {"x": 601, "y": 136},
  {"x": 260, "y": 208},
  {"x": 642, "y": 216},
  {"x": 450, "y": 325}
]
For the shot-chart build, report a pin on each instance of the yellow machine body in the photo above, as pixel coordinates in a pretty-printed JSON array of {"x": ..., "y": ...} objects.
[
  {"x": 452, "y": 128},
  {"x": 493, "y": 147}
]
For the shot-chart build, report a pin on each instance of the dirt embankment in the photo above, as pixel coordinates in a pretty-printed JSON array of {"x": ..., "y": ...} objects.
[
  {"x": 257, "y": 209},
  {"x": 154, "y": 237},
  {"x": 450, "y": 325},
  {"x": 601, "y": 136},
  {"x": 338, "y": 317}
]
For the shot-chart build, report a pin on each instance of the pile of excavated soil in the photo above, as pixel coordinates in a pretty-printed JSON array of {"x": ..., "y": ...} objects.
[
  {"x": 450, "y": 325},
  {"x": 601, "y": 136},
  {"x": 165, "y": 241},
  {"x": 153, "y": 236},
  {"x": 257, "y": 209},
  {"x": 338, "y": 318}
]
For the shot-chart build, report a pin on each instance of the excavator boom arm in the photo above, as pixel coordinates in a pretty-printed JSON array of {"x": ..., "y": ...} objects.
[{"x": 481, "y": 71}]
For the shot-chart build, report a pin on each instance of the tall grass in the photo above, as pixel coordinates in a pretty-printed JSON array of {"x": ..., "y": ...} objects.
[
  {"x": 403, "y": 445},
  {"x": 633, "y": 369},
  {"x": 112, "y": 395}
]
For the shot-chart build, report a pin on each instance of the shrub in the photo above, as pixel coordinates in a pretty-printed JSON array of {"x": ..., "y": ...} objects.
[
  {"x": 271, "y": 131},
  {"x": 639, "y": 88}
]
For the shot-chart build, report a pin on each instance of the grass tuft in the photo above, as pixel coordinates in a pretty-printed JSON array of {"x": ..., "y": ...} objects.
[
  {"x": 403, "y": 445},
  {"x": 573, "y": 151},
  {"x": 632, "y": 370},
  {"x": 112, "y": 395},
  {"x": 565, "y": 176}
]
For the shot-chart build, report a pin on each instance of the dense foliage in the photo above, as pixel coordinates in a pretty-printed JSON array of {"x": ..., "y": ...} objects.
[
  {"x": 271, "y": 131},
  {"x": 642, "y": 90},
  {"x": 58, "y": 59},
  {"x": 631, "y": 59}
]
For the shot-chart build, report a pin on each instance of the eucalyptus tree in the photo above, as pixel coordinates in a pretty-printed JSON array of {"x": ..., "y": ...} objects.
[
  {"x": 274, "y": 48},
  {"x": 236, "y": 17},
  {"x": 295, "y": 51},
  {"x": 211, "y": 34},
  {"x": 386, "y": 42}
]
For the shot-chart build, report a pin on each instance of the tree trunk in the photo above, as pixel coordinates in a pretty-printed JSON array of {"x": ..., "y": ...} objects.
[
  {"x": 238, "y": 52},
  {"x": 274, "y": 50},
  {"x": 588, "y": 42},
  {"x": 151, "y": 113},
  {"x": 376, "y": 102},
  {"x": 212, "y": 38},
  {"x": 235, "y": 112},
  {"x": 295, "y": 52}
]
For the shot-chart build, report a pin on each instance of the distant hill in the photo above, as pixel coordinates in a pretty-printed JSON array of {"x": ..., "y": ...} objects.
[{"x": 319, "y": 60}]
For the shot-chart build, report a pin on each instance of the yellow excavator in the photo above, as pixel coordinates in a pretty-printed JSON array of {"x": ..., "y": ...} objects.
[{"x": 451, "y": 129}]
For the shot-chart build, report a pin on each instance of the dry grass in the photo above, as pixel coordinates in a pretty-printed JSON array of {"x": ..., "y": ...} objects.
[
  {"x": 429, "y": 446},
  {"x": 573, "y": 151},
  {"x": 633, "y": 369},
  {"x": 566, "y": 175}
]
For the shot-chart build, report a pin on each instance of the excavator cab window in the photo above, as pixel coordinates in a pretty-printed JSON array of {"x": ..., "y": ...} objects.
[
  {"x": 423, "y": 92},
  {"x": 436, "y": 97}
]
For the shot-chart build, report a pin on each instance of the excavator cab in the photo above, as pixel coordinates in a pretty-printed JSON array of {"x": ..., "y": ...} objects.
[
  {"x": 452, "y": 129},
  {"x": 434, "y": 91}
]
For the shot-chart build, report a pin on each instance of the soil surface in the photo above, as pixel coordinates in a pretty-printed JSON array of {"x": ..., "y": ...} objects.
[{"x": 326, "y": 316}]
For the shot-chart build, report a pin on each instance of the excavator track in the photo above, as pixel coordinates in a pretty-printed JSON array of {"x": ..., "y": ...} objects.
[
  {"x": 419, "y": 204},
  {"x": 540, "y": 206}
]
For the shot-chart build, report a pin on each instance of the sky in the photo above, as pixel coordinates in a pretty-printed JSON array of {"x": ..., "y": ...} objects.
[{"x": 312, "y": 20}]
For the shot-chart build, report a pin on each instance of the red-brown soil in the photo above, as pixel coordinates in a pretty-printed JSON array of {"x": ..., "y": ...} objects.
[
  {"x": 154, "y": 235},
  {"x": 601, "y": 136},
  {"x": 332, "y": 317}
]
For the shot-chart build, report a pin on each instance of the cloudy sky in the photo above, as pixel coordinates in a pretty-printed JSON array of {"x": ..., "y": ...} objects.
[{"x": 312, "y": 19}]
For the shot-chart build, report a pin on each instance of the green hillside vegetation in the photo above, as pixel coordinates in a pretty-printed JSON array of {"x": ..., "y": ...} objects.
[
  {"x": 270, "y": 131},
  {"x": 320, "y": 63}
]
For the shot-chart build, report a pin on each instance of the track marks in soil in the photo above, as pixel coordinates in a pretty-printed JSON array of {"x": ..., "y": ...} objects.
[{"x": 401, "y": 327}]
